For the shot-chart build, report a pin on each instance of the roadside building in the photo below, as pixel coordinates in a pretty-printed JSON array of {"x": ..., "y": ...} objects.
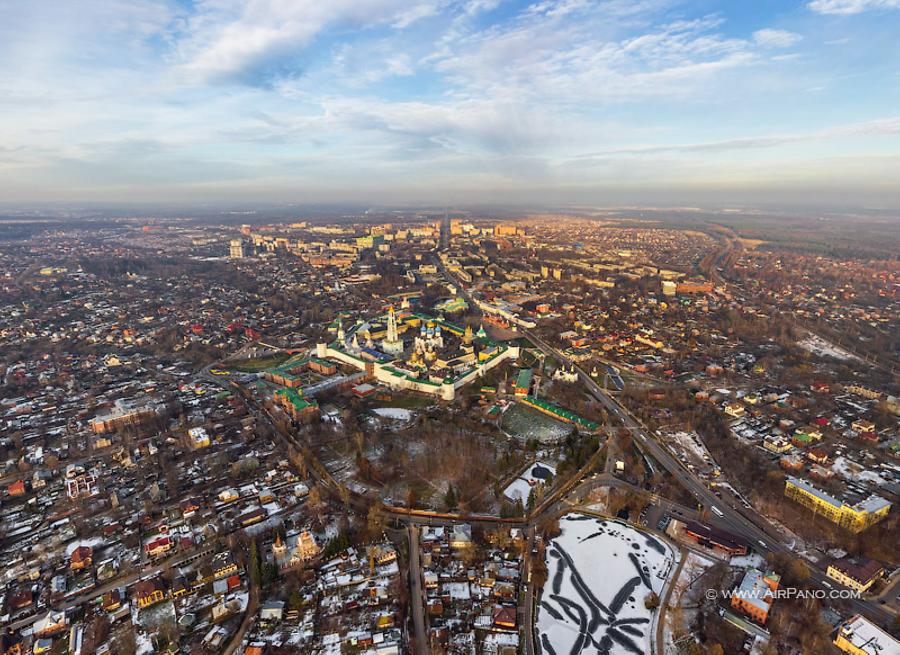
[
  {"x": 859, "y": 636},
  {"x": 858, "y": 574},
  {"x": 755, "y": 594},
  {"x": 852, "y": 516}
]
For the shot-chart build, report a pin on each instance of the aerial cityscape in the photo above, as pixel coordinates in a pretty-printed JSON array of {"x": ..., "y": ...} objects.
[{"x": 477, "y": 327}]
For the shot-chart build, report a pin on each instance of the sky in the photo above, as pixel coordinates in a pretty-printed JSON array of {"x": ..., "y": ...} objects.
[{"x": 440, "y": 101}]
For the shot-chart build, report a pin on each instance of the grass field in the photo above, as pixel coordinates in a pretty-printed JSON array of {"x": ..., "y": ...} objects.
[
  {"x": 409, "y": 401},
  {"x": 256, "y": 364}
]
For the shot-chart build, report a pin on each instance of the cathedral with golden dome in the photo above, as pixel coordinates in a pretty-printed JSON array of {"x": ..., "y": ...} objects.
[{"x": 412, "y": 350}]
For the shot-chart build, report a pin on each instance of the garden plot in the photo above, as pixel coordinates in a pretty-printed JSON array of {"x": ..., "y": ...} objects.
[{"x": 600, "y": 573}]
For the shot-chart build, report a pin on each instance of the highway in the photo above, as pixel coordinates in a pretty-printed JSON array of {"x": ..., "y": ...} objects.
[{"x": 763, "y": 537}]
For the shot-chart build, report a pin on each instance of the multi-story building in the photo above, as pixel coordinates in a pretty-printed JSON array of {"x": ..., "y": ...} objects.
[
  {"x": 860, "y": 390},
  {"x": 859, "y": 574},
  {"x": 854, "y": 517},
  {"x": 236, "y": 249},
  {"x": 862, "y": 426},
  {"x": 81, "y": 484},
  {"x": 199, "y": 437},
  {"x": 523, "y": 382},
  {"x": 755, "y": 594},
  {"x": 123, "y": 413},
  {"x": 503, "y": 230},
  {"x": 296, "y": 406},
  {"x": 694, "y": 286},
  {"x": 859, "y": 636}
]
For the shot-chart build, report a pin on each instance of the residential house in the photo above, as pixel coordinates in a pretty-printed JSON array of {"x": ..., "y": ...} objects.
[
  {"x": 148, "y": 592},
  {"x": 81, "y": 558}
]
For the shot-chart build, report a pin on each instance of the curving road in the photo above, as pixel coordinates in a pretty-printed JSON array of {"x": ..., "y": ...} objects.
[{"x": 760, "y": 533}]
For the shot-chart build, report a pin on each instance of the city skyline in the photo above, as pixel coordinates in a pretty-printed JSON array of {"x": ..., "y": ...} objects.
[{"x": 432, "y": 101}]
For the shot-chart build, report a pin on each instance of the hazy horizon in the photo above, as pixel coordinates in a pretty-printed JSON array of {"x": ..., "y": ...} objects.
[{"x": 507, "y": 103}]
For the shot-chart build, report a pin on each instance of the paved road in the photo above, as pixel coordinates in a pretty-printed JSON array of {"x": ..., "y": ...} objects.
[
  {"x": 237, "y": 639},
  {"x": 762, "y": 535},
  {"x": 664, "y": 604},
  {"x": 530, "y": 592},
  {"x": 117, "y": 583},
  {"x": 417, "y": 594}
]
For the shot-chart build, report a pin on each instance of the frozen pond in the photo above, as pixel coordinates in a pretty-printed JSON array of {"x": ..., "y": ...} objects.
[{"x": 600, "y": 572}]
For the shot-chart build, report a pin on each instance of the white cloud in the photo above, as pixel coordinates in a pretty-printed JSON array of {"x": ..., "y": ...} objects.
[
  {"x": 543, "y": 58},
  {"x": 847, "y": 7},
  {"x": 771, "y": 38},
  {"x": 889, "y": 126},
  {"x": 362, "y": 65},
  {"x": 473, "y": 7},
  {"x": 434, "y": 94},
  {"x": 259, "y": 39}
]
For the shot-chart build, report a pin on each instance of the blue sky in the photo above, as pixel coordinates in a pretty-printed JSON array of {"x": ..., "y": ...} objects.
[{"x": 569, "y": 101}]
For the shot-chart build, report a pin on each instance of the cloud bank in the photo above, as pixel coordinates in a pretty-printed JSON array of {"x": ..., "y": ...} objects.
[{"x": 451, "y": 99}]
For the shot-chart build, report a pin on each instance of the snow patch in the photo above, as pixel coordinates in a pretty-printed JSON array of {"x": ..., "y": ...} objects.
[{"x": 600, "y": 572}]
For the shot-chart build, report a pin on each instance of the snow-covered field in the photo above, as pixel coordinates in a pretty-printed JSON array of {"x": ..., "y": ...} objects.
[
  {"x": 394, "y": 413},
  {"x": 850, "y": 470},
  {"x": 692, "y": 571},
  {"x": 821, "y": 348},
  {"x": 521, "y": 486},
  {"x": 600, "y": 572},
  {"x": 691, "y": 444}
]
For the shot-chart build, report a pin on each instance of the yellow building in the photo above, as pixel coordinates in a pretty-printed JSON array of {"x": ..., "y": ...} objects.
[
  {"x": 777, "y": 444},
  {"x": 854, "y": 518},
  {"x": 149, "y": 592},
  {"x": 856, "y": 574},
  {"x": 859, "y": 636},
  {"x": 199, "y": 438},
  {"x": 860, "y": 390}
]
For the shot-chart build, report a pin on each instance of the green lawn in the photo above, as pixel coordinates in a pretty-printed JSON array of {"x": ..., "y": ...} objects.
[
  {"x": 408, "y": 401},
  {"x": 256, "y": 364}
]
